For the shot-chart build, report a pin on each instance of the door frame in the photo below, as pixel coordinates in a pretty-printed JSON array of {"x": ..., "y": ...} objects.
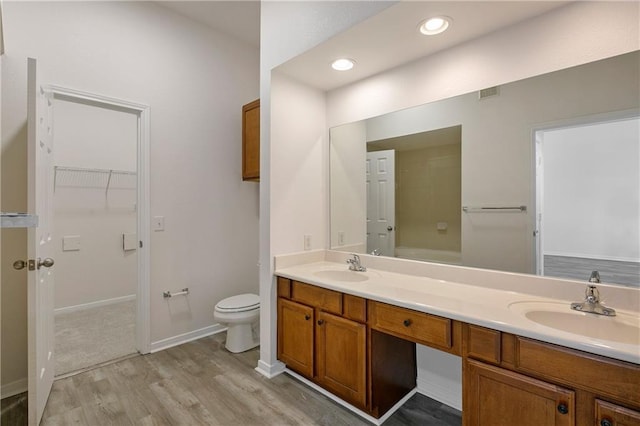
[
  {"x": 537, "y": 170},
  {"x": 143, "y": 336}
]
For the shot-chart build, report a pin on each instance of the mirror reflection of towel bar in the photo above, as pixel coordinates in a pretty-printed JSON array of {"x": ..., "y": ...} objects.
[
  {"x": 468, "y": 209},
  {"x": 183, "y": 292}
]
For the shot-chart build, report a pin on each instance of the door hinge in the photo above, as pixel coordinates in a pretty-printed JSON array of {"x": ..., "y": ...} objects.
[{"x": 140, "y": 244}]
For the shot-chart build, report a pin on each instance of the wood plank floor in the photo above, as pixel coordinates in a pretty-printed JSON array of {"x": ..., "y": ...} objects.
[
  {"x": 611, "y": 271},
  {"x": 200, "y": 383}
]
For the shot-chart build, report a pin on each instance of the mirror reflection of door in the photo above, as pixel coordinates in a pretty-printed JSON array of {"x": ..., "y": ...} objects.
[
  {"x": 381, "y": 211},
  {"x": 588, "y": 200},
  {"x": 428, "y": 193}
]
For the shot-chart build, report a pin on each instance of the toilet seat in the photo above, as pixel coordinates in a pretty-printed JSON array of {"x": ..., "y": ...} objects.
[{"x": 239, "y": 303}]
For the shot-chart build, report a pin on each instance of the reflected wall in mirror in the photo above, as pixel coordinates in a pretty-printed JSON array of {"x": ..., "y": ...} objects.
[{"x": 498, "y": 169}]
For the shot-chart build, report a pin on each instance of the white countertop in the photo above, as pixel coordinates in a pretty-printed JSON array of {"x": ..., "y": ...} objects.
[{"x": 487, "y": 307}]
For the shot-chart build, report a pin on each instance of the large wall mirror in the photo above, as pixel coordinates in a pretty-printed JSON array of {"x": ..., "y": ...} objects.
[{"x": 535, "y": 176}]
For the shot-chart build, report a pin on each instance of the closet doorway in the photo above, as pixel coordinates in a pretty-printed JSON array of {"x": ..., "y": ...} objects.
[
  {"x": 99, "y": 197},
  {"x": 588, "y": 198}
]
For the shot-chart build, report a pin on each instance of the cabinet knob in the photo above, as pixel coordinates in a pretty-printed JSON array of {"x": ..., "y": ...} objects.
[
  {"x": 307, "y": 317},
  {"x": 562, "y": 408},
  {"x": 320, "y": 322},
  {"x": 406, "y": 322},
  {"x": 605, "y": 422}
]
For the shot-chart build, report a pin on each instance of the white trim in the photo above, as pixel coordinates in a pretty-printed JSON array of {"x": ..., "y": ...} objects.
[
  {"x": 350, "y": 407},
  {"x": 14, "y": 388},
  {"x": 270, "y": 371},
  {"x": 95, "y": 304},
  {"x": 143, "y": 316},
  {"x": 180, "y": 339},
  {"x": 435, "y": 389}
]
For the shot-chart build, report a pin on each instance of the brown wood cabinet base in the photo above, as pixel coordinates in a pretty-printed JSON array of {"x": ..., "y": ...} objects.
[{"x": 507, "y": 379}]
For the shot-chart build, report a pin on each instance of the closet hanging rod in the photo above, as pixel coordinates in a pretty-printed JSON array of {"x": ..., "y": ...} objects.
[
  {"x": 75, "y": 172},
  {"x": 89, "y": 170},
  {"x": 469, "y": 209}
]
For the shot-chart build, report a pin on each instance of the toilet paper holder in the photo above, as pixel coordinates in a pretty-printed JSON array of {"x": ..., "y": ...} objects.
[{"x": 183, "y": 292}]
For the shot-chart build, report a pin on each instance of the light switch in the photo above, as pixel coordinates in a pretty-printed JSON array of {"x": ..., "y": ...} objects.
[
  {"x": 442, "y": 226},
  {"x": 71, "y": 243},
  {"x": 158, "y": 223}
]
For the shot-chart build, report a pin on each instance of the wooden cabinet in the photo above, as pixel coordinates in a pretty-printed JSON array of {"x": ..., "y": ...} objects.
[
  {"x": 495, "y": 396},
  {"x": 251, "y": 141},
  {"x": 534, "y": 377},
  {"x": 316, "y": 340},
  {"x": 364, "y": 352},
  {"x": 341, "y": 357},
  {"x": 608, "y": 414},
  {"x": 296, "y": 336}
]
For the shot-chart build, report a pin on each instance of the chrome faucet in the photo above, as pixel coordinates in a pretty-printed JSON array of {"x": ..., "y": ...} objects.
[
  {"x": 591, "y": 302},
  {"x": 354, "y": 264}
]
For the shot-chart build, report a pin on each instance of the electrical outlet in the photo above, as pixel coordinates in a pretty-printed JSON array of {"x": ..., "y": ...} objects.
[
  {"x": 307, "y": 242},
  {"x": 158, "y": 223},
  {"x": 341, "y": 238}
]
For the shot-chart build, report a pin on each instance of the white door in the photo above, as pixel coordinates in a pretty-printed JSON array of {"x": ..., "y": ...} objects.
[
  {"x": 40, "y": 275},
  {"x": 381, "y": 202}
]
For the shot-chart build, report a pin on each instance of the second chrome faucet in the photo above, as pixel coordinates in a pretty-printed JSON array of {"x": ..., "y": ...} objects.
[{"x": 354, "y": 264}]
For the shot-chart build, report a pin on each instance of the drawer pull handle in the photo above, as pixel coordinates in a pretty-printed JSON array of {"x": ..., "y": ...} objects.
[
  {"x": 562, "y": 408},
  {"x": 307, "y": 317},
  {"x": 406, "y": 322},
  {"x": 320, "y": 322},
  {"x": 605, "y": 422}
]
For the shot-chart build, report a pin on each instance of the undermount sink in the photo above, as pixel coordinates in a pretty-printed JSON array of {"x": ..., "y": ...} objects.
[
  {"x": 348, "y": 276},
  {"x": 623, "y": 328}
]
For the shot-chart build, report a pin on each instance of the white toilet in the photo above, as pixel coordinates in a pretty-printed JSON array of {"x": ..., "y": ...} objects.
[{"x": 240, "y": 314}]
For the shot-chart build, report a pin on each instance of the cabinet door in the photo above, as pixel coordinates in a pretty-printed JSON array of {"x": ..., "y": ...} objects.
[
  {"x": 295, "y": 336},
  {"x": 494, "y": 396},
  {"x": 251, "y": 141},
  {"x": 608, "y": 414},
  {"x": 341, "y": 357}
]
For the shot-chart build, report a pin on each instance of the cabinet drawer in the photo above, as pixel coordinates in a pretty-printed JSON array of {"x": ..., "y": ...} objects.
[
  {"x": 416, "y": 326},
  {"x": 612, "y": 414},
  {"x": 355, "y": 308},
  {"x": 603, "y": 376},
  {"x": 284, "y": 287},
  {"x": 482, "y": 343},
  {"x": 318, "y": 297}
]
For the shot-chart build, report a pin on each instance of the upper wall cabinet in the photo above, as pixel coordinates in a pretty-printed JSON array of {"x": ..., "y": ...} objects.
[{"x": 251, "y": 141}]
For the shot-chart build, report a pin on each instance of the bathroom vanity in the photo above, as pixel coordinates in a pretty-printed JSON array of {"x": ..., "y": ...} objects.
[{"x": 354, "y": 339}]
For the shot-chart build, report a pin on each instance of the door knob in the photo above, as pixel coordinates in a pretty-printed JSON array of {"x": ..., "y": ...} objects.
[
  {"x": 47, "y": 262},
  {"x": 389, "y": 228},
  {"x": 19, "y": 264}
]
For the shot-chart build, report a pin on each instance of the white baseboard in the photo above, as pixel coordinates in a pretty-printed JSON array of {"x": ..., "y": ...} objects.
[
  {"x": 440, "y": 391},
  {"x": 270, "y": 370},
  {"x": 186, "y": 337},
  {"x": 95, "y": 304},
  {"x": 348, "y": 406},
  {"x": 14, "y": 388}
]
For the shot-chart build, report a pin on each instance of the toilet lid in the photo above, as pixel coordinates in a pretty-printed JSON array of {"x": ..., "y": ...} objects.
[{"x": 241, "y": 302}]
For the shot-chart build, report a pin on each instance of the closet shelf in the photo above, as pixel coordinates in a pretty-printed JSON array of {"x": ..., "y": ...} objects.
[{"x": 93, "y": 178}]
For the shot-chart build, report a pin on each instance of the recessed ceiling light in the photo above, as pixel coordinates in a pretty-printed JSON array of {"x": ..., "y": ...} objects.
[
  {"x": 434, "y": 25},
  {"x": 343, "y": 64}
]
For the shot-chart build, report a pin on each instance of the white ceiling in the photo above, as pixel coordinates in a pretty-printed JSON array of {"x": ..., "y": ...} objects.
[
  {"x": 239, "y": 18},
  {"x": 391, "y": 38},
  {"x": 384, "y": 41}
]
